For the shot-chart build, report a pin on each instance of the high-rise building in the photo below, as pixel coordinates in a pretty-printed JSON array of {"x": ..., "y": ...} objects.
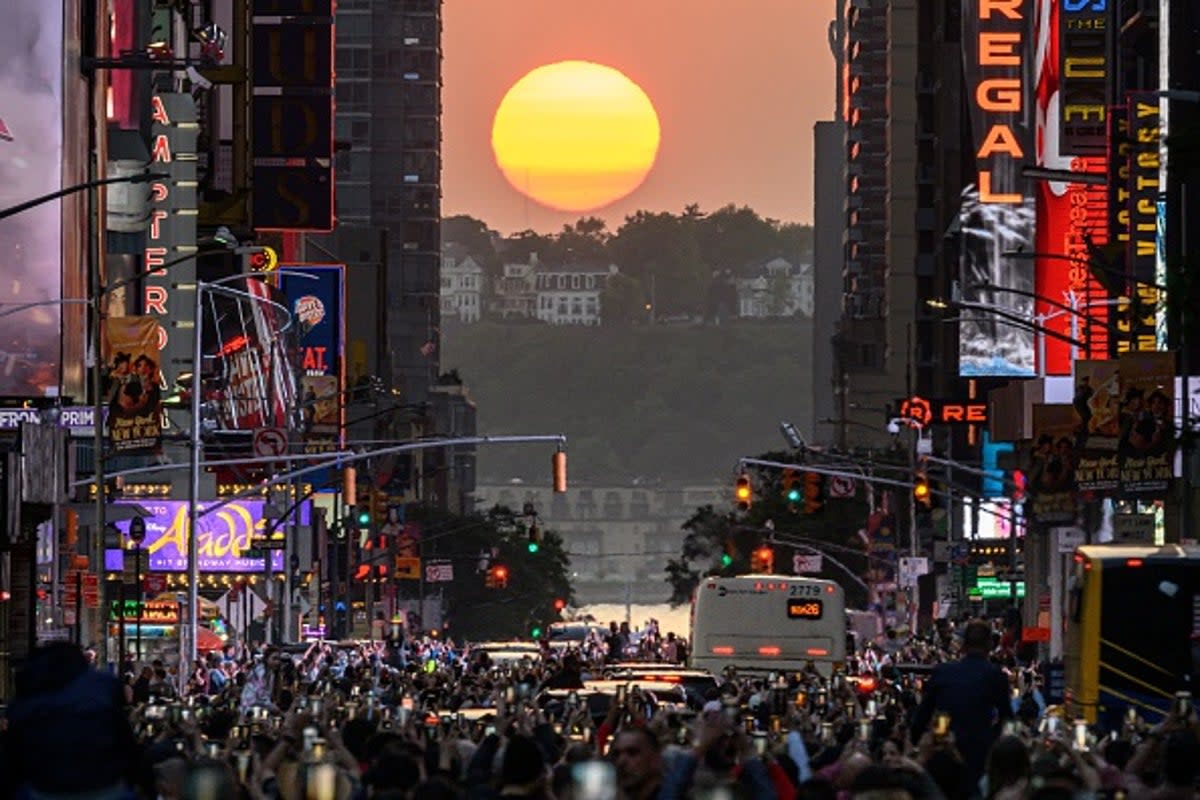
[
  {"x": 388, "y": 178},
  {"x": 874, "y": 340}
]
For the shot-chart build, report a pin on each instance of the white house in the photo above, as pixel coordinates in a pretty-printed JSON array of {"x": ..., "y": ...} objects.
[
  {"x": 462, "y": 285},
  {"x": 570, "y": 294},
  {"x": 513, "y": 294},
  {"x": 775, "y": 288}
]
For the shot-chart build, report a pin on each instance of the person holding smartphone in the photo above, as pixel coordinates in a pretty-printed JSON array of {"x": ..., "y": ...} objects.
[{"x": 974, "y": 693}]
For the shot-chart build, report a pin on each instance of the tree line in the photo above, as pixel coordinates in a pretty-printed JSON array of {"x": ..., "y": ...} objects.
[{"x": 683, "y": 263}]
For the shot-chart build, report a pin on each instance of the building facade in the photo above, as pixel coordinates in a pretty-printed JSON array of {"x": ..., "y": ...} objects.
[
  {"x": 775, "y": 288},
  {"x": 570, "y": 294},
  {"x": 462, "y": 283},
  {"x": 619, "y": 538}
]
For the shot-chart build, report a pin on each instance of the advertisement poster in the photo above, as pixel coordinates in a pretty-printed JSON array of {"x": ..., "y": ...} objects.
[
  {"x": 132, "y": 384},
  {"x": 1071, "y": 83},
  {"x": 221, "y": 542},
  {"x": 996, "y": 213},
  {"x": 1051, "y": 484},
  {"x": 1097, "y": 403},
  {"x": 256, "y": 353},
  {"x": 315, "y": 295},
  {"x": 1146, "y": 446},
  {"x": 31, "y": 246}
]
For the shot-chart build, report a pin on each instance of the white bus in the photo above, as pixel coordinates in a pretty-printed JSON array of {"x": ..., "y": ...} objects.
[{"x": 768, "y": 623}]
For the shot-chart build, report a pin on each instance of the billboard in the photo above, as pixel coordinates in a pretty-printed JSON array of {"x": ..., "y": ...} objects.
[
  {"x": 292, "y": 115},
  {"x": 1146, "y": 448},
  {"x": 1097, "y": 404},
  {"x": 316, "y": 296},
  {"x": 996, "y": 212},
  {"x": 222, "y": 540},
  {"x": 1142, "y": 209},
  {"x": 1051, "y": 483},
  {"x": 31, "y": 158},
  {"x": 132, "y": 384},
  {"x": 1073, "y": 73}
]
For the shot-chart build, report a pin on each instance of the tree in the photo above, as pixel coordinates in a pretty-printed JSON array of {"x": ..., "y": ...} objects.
[
  {"x": 661, "y": 251},
  {"x": 623, "y": 301},
  {"x": 585, "y": 241},
  {"x": 732, "y": 237},
  {"x": 535, "y": 580}
]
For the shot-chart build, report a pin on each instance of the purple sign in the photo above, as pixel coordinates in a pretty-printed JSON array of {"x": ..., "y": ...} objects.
[{"x": 221, "y": 543}]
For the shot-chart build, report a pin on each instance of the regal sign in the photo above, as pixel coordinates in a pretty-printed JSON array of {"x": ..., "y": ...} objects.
[{"x": 925, "y": 412}]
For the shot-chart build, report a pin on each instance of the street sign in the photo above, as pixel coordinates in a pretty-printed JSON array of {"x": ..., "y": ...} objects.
[
  {"x": 408, "y": 568},
  {"x": 802, "y": 564},
  {"x": 1133, "y": 528},
  {"x": 1069, "y": 538},
  {"x": 441, "y": 572},
  {"x": 270, "y": 442},
  {"x": 841, "y": 487},
  {"x": 911, "y": 568},
  {"x": 91, "y": 589}
]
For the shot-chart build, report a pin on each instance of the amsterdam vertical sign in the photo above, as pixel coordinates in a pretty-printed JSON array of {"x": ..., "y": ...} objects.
[
  {"x": 292, "y": 115},
  {"x": 167, "y": 292}
]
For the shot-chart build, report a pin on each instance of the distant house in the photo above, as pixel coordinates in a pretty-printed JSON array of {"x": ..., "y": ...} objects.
[
  {"x": 570, "y": 294},
  {"x": 513, "y": 293},
  {"x": 774, "y": 288},
  {"x": 462, "y": 285}
]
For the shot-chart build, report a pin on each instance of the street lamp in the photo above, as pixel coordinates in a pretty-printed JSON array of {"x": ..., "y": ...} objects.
[
  {"x": 137, "y": 535},
  {"x": 142, "y": 177}
]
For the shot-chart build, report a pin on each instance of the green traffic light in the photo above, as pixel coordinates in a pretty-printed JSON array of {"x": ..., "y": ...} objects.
[
  {"x": 726, "y": 560},
  {"x": 533, "y": 547},
  {"x": 536, "y": 633},
  {"x": 793, "y": 495},
  {"x": 364, "y": 518}
]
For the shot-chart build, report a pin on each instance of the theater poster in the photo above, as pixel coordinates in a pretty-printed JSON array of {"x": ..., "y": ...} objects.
[
  {"x": 1147, "y": 426},
  {"x": 1097, "y": 403},
  {"x": 132, "y": 384},
  {"x": 1051, "y": 477}
]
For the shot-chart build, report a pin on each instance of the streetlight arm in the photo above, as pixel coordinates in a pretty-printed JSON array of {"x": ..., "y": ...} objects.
[
  {"x": 1028, "y": 255},
  {"x": 145, "y": 177},
  {"x": 1024, "y": 323}
]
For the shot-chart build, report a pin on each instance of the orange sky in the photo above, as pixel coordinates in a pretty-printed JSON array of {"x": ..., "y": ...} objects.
[{"x": 737, "y": 94}]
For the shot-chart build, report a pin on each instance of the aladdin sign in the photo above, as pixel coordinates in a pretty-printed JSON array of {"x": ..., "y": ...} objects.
[{"x": 223, "y": 540}]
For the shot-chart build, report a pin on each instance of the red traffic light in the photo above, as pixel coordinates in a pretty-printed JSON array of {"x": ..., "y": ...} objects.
[{"x": 559, "y": 604}]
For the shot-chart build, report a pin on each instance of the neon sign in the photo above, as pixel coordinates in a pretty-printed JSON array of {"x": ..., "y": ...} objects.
[{"x": 998, "y": 93}]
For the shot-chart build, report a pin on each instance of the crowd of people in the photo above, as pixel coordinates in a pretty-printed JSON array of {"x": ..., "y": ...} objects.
[{"x": 431, "y": 720}]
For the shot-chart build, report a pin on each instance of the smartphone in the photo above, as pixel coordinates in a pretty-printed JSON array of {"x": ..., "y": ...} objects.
[
  {"x": 593, "y": 780},
  {"x": 621, "y": 692},
  {"x": 681, "y": 736},
  {"x": 490, "y": 730},
  {"x": 156, "y": 713},
  {"x": 760, "y": 744},
  {"x": 1183, "y": 704},
  {"x": 1080, "y": 742},
  {"x": 243, "y": 760},
  {"x": 801, "y": 699},
  {"x": 212, "y": 749},
  {"x": 941, "y": 725},
  {"x": 776, "y": 725},
  {"x": 510, "y": 695},
  {"x": 748, "y": 724},
  {"x": 311, "y": 734},
  {"x": 317, "y": 706},
  {"x": 318, "y": 750},
  {"x": 827, "y": 732},
  {"x": 864, "y": 731},
  {"x": 573, "y": 700},
  {"x": 872, "y": 709}
]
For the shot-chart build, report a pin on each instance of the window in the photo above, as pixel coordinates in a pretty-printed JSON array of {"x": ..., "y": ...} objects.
[{"x": 574, "y": 281}]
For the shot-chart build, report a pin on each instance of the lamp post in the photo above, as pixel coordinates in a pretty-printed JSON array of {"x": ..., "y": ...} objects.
[{"x": 137, "y": 535}]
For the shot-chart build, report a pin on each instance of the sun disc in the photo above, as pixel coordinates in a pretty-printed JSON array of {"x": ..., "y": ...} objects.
[{"x": 575, "y": 135}]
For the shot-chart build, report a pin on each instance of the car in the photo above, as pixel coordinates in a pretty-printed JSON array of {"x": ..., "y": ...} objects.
[
  {"x": 507, "y": 653},
  {"x": 698, "y": 684},
  {"x": 565, "y": 635}
]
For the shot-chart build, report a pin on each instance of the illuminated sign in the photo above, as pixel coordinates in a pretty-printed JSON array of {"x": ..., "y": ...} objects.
[
  {"x": 1142, "y": 214},
  {"x": 223, "y": 541},
  {"x": 1084, "y": 77},
  {"x": 153, "y": 612},
  {"x": 171, "y": 234},
  {"x": 998, "y": 95},
  {"x": 292, "y": 115},
  {"x": 993, "y": 589},
  {"x": 805, "y": 609},
  {"x": 924, "y": 411}
]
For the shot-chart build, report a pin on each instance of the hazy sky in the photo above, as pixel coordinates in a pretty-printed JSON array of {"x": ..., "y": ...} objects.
[{"x": 737, "y": 85}]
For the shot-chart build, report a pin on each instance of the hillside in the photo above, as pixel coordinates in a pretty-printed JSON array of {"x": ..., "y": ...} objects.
[{"x": 662, "y": 403}]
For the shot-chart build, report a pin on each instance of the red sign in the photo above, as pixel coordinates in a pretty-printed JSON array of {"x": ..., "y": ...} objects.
[
  {"x": 1035, "y": 635},
  {"x": 154, "y": 585}
]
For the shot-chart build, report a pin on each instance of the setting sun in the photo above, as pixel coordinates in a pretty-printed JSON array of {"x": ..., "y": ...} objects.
[{"x": 575, "y": 135}]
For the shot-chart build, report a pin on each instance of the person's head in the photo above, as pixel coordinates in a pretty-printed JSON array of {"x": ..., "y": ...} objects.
[
  {"x": 637, "y": 755},
  {"x": 523, "y": 764},
  {"x": 977, "y": 637},
  {"x": 1007, "y": 764},
  {"x": 1181, "y": 758},
  {"x": 170, "y": 776},
  {"x": 875, "y": 782}
]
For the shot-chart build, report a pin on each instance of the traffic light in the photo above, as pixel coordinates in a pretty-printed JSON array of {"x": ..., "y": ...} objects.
[
  {"x": 762, "y": 561},
  {"x": 559, "y": 604},
  {"x": 535, "y": 538},
  {"x": 379, "y": 507},
  {"x": 814, "y": 491},
  {"x": 558, "y": 466},
  {"x": 743, "y": 494},
  {"x": 364, "y": 516},
  {"x": 922, "y": 494},
  {"x": 791, "y": 492},
  {"x": 497, "y": 577},
  {"x": 727, "y": 556}
]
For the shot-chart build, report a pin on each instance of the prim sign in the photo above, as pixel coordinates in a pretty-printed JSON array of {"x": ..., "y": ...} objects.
[{"x": 926, "y": 412}]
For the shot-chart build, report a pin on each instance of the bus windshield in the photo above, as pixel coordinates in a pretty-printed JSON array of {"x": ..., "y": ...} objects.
[{"x": 768, "y": 622}]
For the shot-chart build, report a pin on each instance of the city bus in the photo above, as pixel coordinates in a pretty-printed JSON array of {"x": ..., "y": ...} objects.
[
  {"x": 1133, "y": 630},
  {"x": 768, "y": 623}
]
